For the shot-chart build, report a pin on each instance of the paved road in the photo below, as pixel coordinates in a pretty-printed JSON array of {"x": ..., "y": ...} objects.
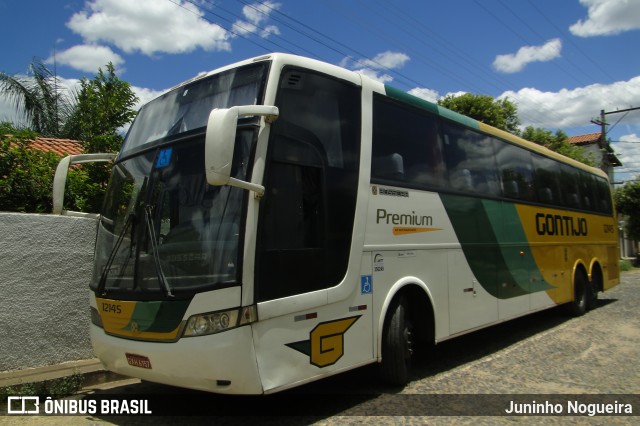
[{"x": 544, "y": 353}]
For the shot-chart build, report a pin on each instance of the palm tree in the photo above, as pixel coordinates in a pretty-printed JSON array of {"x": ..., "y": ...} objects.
[{"x": 39, "y": 97}]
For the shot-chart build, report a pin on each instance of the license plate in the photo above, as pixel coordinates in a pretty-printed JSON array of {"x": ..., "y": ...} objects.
[{"x": 138, "y": 361}]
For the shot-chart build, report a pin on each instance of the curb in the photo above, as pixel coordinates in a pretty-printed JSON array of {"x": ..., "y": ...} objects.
[{"x": 91, "y": 370}]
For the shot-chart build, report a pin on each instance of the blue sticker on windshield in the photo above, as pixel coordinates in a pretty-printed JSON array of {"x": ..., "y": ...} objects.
[{"x": 164, "y": 158}]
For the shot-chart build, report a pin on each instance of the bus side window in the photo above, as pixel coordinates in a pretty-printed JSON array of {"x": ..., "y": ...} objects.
[
  {"x": 570, "y": 177},
  {"x": 588, "y": 190},
  {"x": 406, "y": 147},
  {"x": 470, "y": 161},
  {"x": 547, "y": 180},
  {"x": 603, "y": 196},
  {"x": 516, "y": 171}
]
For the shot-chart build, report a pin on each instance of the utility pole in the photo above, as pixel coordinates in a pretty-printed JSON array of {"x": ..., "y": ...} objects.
[
  {"x": 602, "y": 140},
  {"x": 603, "y": 128}
]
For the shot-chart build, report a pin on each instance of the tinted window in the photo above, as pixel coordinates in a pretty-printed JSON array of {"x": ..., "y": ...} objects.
[
  {"x": 570, "y": 186},
  {"x": 516, "y": 171},
  {"x": 311, "y": 178},
  {"x": 470, "y": 160},
  {"x": 408, "y": 150},
  {"x": 406, "y": 145},
  {"x": 547, "y": 180},
  {"x": 603, "y": 195}
]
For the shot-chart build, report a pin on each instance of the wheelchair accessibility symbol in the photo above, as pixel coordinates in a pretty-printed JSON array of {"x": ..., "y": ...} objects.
[{"x": 366, "y": 284}]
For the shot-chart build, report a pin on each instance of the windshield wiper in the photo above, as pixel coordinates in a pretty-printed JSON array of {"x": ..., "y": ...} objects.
[
  {"x": 112, "y": 256},
  {"x": 154, "y": 249}
]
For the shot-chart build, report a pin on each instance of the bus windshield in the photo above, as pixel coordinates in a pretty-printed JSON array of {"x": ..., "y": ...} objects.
[
  {"x": 164, "y": 231},
  {"x": 188, "y": 107}
]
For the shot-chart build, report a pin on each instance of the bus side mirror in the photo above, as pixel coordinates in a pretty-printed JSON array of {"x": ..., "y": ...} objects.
[
  {"x": 220, "y": 141},
  {"x": 60, "y": 179}
]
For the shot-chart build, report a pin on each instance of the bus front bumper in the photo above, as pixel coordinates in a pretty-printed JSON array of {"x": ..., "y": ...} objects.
[{"x": 221, "y": 363}]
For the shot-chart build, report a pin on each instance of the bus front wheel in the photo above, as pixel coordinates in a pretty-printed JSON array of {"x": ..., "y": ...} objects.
[{"x": 397, "y": 344}]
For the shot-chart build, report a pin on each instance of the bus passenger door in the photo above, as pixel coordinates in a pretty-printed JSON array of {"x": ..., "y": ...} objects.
[{"x": 304, "y": 233}]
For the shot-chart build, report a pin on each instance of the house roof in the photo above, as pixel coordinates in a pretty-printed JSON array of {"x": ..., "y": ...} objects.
[
  {"x": 61, "y": 147},
  {"x": 594, "y": 138},
  {"x": 585, "y": 139}
]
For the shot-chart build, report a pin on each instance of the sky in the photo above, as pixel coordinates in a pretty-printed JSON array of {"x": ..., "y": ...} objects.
[{"x": 560, "y": 61}]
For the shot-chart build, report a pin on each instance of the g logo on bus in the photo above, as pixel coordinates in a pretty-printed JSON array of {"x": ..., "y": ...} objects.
[{"x": 326, "y": 342}]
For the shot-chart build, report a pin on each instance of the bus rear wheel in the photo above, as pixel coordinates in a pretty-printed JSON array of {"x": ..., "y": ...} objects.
[
  {"x": 581, "y": 290},
  {"x": 594, "y": 286},
  {"x": 397, "y": 344}
]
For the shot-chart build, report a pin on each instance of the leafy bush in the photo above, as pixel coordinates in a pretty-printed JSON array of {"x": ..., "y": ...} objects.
[{"x": 26, "y": 175}]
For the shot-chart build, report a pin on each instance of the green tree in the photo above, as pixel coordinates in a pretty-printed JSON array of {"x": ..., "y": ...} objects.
[
  {"x": 39, "y": 97},
  {"x": 26, "y": 174},
  {"x": 627, "y": 200},
  {"x": 103, "y": 106},
  {"x": 558, "y": 142},
  {"x": 500, "y": 113},
  {"x": 94, "y": 115}
]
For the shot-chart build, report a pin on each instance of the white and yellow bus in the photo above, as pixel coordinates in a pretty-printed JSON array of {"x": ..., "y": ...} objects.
[{"x": 281, "y": 220}]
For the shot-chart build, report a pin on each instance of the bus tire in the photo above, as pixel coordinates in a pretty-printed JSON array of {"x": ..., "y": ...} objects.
[
  {"x": 581, "y": 289},
  {"x": 397, "y": 344},
  {"x": 594, "y": 286}
]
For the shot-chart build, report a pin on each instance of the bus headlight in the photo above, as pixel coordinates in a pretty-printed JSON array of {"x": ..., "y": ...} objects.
[{"x": 216, "y": 322}]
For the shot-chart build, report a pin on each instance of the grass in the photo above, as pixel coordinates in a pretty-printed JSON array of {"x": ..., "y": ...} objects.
[
  {"x": 625, "y": 265},
  {"x": 55, "y": 388}
]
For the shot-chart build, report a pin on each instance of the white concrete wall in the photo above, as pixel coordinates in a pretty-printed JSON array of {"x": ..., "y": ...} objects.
[{"x": 45, "y": 266}]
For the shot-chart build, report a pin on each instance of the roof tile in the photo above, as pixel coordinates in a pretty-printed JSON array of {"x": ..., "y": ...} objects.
[
  {"x": 584, "y": 139},
  {"x": 61, "y": 147}
]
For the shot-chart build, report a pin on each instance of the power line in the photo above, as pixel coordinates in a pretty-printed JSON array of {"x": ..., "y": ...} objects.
[
  {"x": 314, "y": 37},
  {"x": 521, "y": 37},
  {"x": 544, "y": 39},
  {"x": 215, "y": 23},
  {"x": 570, "y": 40}
]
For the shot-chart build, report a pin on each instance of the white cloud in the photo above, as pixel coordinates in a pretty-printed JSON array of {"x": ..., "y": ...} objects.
[
  {"x": 576, "y": 107},
  {"x": 148, "y": 26},
  {"x": 426, "y": 94},
  {"x": 512, "y": 63},
  {"x": 386, "y": 60},
  {"x": 87, "y": 58},
  {"x": 374, "y": 68},
  {"x": 381, "y": 77},
  {"x": 608, "y": 17},
  {"x": 255, "y": 14},
  {"x": 572, "y": 108},
  {"x": 145, "y": 95},
  {"x": 627, "y": 149}
]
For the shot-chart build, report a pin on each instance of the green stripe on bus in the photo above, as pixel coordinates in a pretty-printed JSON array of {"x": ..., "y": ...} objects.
[
  {"x": 158, "y": 317},
  {"x": 515, "y": 250},
  {"x": 492, "y": 239},
  {"x": 410, "y": 99},
  {"x": 459, "y": 118},
  {"x": 405, "y": 97}
]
